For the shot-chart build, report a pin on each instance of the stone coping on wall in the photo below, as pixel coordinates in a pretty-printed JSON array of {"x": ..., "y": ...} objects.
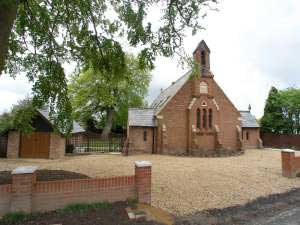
[
  {"x": 142, "y": 163},
  {"x": 288, "y": 150},
  {"x": 24, "y": 170}
]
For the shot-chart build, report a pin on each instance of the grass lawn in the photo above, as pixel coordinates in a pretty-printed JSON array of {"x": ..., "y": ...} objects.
[{"x": 184, "y": 185}]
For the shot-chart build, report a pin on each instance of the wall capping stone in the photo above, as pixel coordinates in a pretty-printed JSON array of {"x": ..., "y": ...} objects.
[
  {"x": 142, "y": 163},
  {"x": 24, "y": 170}
]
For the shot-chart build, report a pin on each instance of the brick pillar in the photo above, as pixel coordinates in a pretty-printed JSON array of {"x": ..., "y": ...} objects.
[
  {"x": 23, "y": 180},
  {"x": 143, "y": 181},
  {"x": 13, "y": 144},
  {"x": 287, "y": 157}
]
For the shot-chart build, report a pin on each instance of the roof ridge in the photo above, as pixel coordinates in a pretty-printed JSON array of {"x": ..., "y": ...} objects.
[
  {"x": 175, "y": 82},
  {"x": 165, "y": 95}
]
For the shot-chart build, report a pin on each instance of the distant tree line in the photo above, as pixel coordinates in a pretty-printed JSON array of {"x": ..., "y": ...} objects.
[{"x": 282, "y": 112}]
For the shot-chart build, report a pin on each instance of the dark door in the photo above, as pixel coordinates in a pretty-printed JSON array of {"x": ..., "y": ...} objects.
[{"x": 3, "y": 146}]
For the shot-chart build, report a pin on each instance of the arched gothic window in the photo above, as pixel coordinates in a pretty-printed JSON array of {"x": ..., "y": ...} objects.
[
  {"x": 203, "y": 88},
  {"x": 204, "y": 119},
  {"x": 198, "y": 122},
  {"x": 210, "y": 119}
]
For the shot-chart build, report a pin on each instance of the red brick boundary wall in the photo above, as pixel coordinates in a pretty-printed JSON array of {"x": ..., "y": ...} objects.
[
  {"x": 281, "y": 140},
  {"x": 25, "y": 194},
  {"x": 290, "y": 163}
]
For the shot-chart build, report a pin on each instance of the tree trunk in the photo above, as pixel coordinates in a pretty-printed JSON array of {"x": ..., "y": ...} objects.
[
  {"x": 8, "y": 13},
  {"x": 108, "y": 124}
]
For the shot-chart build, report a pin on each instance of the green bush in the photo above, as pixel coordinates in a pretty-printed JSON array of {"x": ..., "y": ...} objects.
[
  {"x": 83, "y": 207},
  {"x": 132, "y": 202},
  {"x": 11, "y": 218}
]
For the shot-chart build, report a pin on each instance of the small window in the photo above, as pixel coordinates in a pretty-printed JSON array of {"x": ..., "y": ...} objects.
[
  {"x": 247, "y": 135},
  {"x": 145, "y": 135},
  {"x": 198, "y": 118},
  {"x": 210, "y": 119},
  {"x": 203, "y": 60},
  {"x": 203, "y": 88},
  {"x": 204, "y": 122}
]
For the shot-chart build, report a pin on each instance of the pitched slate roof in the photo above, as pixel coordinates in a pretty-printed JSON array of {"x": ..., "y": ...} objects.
[
  {"x": 248, "y": 120},
  {"x": 76, "y": 127},
  {"x": 169, "y": 92},
  {"x": 141, "y": 117}
]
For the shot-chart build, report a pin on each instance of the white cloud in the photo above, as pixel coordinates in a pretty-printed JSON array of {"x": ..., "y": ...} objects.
[
  {"x": 254, "y": 45},
  {"x": 12, "y": 90}
]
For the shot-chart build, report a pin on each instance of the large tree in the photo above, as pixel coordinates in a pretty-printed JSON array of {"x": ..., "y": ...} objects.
[
  {"x": 19, "y": 118},
  {"x": 290, "y": 103},
  {"x": 101, "y": 98},
  {"x": 282, "y": 112},
  {"x": 272, "y": 120},
  {"x": 46, "y": 34}
]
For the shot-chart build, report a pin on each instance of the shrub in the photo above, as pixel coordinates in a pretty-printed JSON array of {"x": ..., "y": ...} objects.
[{"x": 83, "y": 207}]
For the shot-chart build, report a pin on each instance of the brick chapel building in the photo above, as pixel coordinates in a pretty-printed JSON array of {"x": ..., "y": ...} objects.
[{"x": 193, "y": 116}]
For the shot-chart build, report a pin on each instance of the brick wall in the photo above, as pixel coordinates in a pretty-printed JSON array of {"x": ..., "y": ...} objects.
[
  {"x": 13, "y": 144},
  {"x": 281, "y": 140},
  {"x": 290, "y": 163},
  {"x": 253, "y": 137},
  {"x": 57, "y": 194},
  {"x": 27, "y": 195},
  {"x": 5, "y": 198},
  {"x": 57, "y": 146},
  {"x": 137, "y": 145}
]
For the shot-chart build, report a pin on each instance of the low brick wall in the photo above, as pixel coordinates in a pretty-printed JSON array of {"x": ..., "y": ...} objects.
[
  {"x": 5, "y": 198},
  {"x": 290, "y": 163},
  {"x": 27, "y": 195},
  {"x": 281, "y": 140}
]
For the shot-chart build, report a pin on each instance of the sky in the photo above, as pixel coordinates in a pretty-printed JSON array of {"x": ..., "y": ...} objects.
[{"x": 254, "y": 45}]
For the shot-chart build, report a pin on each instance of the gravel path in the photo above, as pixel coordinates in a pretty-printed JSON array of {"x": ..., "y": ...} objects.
[{"x": 184, "y": 185}]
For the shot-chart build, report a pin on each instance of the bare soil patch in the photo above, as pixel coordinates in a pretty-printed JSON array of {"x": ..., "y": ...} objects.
[
  {"x": 45, "y": 175},
  {"x": 114, "y": 215},
  {"x": 185, "y": 185}
]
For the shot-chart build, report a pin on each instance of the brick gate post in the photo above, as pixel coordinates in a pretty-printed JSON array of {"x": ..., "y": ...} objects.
[
  {"x": 143, "y": 181},
  {"x": 23, "y": 180},
  {"x": 287, "y": 157}
]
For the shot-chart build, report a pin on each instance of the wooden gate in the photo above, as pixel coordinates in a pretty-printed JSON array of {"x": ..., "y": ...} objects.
[{"x": 36, "y": 145}]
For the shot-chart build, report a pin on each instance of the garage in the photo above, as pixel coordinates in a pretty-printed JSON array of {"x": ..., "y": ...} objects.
[
  {"x": 36, "y": 145},
  {"x": 44, "y": 142}
]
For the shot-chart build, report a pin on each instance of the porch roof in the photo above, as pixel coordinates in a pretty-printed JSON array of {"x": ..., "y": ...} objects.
[{"x": 141, "y": 117}]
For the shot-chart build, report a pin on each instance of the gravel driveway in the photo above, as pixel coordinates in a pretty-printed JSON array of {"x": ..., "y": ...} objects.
[{"x": 184, "y": 185}]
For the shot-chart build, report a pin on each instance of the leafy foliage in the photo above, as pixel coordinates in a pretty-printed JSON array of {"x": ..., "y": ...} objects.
[
  {"x": 19, "y": 118},
  {"x": 48, "y": 34},
  {"x": 83, "y": 207},
  {"x": 282, "y": 112},
  {"x": 95, "y": 94}
]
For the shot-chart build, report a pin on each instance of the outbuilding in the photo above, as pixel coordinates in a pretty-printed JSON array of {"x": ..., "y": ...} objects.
[{"x": 42, "y": 143}]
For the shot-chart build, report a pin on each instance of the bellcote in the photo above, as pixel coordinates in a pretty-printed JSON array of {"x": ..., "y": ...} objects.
[{"x": 202, "y": 57}]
